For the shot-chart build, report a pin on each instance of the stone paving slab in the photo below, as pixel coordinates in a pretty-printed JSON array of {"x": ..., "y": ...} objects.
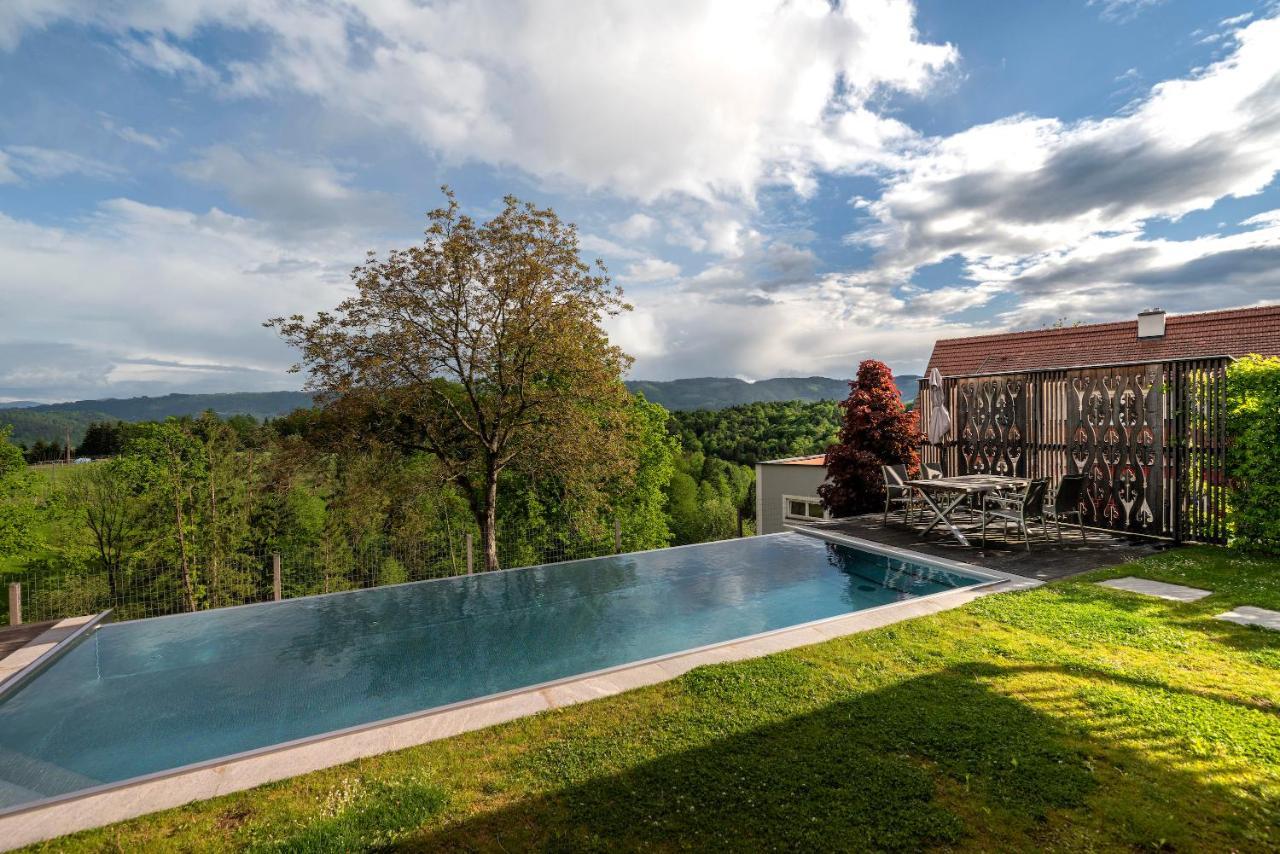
[
  {"x": 1247, "y": 615},
  {"x": 1160, "y": 589}
]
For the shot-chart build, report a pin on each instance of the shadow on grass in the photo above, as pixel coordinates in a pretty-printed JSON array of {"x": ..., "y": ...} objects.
[
  {"x": 933, "y": 761},
  {"x": 858, "y": 774}
]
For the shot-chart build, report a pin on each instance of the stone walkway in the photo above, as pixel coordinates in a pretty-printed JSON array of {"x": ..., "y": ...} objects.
[
  {"x": 1247, "y": 615},
  {"x": 1243, "y": 615},
  {"x": 1147, "y": 587}
]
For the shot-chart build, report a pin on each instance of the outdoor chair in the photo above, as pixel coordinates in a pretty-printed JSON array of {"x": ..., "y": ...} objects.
[
  {"x": 1067, "y": 503},
  {"x": 897, "y": 493},
  {"x": 1020, "y": 509},
  {"x": 928, "y": 472}
]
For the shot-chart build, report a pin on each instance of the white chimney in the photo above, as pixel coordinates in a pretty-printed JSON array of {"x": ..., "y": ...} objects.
[{"x": 1151, "y": 323}]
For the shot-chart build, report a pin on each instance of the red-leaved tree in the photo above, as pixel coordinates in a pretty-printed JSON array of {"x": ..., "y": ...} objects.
[{"x": 878, "y": 430}]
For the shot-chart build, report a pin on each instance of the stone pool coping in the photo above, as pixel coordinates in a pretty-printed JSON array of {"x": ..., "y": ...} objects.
[
  {"x": 112, "y": 802},
  {"x": 25, "y": 662}
]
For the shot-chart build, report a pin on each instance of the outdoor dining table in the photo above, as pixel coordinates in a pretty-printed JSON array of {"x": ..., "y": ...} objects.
[{"x": 962, "y": 488}]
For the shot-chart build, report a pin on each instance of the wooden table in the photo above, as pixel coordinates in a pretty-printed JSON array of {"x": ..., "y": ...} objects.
[{"x": 962, "y": 487}]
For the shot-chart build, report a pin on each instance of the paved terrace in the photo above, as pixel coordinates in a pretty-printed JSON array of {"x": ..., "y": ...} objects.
[{"x": 1046, "y": 562}]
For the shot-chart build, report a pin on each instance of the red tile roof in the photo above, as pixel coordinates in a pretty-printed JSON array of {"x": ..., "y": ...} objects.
[{"x": 1235, "y": 332}]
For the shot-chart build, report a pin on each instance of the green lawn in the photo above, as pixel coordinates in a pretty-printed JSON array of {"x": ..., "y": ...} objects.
[{"x": 1068, "y": 717}]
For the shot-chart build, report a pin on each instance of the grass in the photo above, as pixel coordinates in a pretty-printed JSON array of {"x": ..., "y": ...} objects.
[{"x": 1071, "y": 717}]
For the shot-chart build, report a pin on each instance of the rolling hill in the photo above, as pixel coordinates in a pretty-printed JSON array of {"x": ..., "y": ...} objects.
[
  {"x": 51, "y": 421},
  {"x": 721, "y": 392}
]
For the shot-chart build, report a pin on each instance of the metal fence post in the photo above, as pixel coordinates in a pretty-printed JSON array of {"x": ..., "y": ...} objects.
[
  {"x": 15, "y": 603},
  {"x": 276, "y": 585},
  {"x": 470, "y": 557},
  {"x": 617, "y": 536}
]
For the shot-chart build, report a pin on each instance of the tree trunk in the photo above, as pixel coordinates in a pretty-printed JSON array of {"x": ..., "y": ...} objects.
[
  {"x": 187, "y": 587},
  {"x": 213, "y": 540},
  {"x": 489, "y": 524}
]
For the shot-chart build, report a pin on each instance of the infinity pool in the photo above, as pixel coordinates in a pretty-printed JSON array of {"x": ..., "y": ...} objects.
[{"x": 151, "y": 695}]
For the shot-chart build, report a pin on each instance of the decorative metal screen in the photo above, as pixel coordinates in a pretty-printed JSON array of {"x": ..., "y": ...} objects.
[{"x": 1150, "y": 439}]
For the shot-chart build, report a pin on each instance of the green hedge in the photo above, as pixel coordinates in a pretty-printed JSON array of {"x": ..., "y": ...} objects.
[{"x": 1253, "y": 454}]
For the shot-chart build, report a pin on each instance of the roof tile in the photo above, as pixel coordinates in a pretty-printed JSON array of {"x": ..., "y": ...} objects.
[{"x": 1234, "y": 332}]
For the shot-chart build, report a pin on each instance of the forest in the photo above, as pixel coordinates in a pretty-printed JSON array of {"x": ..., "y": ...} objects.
[
  {"x": 186, "y": 513},
  {"x": 755, "y": 432}
]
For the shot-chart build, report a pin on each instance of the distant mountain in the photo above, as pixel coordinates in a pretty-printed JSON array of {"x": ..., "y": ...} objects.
[
  {"x": 18, "y": 404},
  {"x": 51, "y": 421},
  {"x": 721, "y": 392}
]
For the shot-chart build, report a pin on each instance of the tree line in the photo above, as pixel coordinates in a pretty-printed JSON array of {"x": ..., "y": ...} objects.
[{"x": 466, "y": 387}]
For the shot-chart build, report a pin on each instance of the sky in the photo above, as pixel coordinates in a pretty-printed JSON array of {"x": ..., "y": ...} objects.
[{"x": 781, "y": 188}]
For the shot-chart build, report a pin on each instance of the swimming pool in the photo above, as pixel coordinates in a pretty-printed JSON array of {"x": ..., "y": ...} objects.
[{"x": 140, "y": 697}]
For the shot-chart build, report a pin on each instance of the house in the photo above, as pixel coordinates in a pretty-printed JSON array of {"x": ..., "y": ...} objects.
[
  {"x": 787, "y": 492},
  {"x": 1136, "y": 406}
]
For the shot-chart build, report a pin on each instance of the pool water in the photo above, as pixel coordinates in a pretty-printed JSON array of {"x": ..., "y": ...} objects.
[{"x": 151, "y": 695}]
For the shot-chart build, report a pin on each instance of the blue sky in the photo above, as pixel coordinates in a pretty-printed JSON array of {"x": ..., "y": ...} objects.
[{"x": 781, "y": 188}]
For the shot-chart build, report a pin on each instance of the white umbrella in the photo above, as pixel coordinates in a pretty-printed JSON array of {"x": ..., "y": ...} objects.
[{"x": 939, "y": 418}]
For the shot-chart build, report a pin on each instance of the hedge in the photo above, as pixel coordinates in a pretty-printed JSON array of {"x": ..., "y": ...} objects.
[{"x": 1253, "y": 452}]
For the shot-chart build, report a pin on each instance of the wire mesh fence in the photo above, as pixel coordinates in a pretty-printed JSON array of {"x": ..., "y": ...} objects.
[{"x": 140, "y": 588}]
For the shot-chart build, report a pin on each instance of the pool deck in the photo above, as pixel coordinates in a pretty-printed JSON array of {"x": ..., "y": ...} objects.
[
  {"x": 14, "y": 638},
  {"x": 1046, "y": 561},
  {"x": 119, "y": 801}
]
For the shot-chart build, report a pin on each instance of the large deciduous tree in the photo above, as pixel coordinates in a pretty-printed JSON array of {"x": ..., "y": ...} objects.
[
  {"x": 483, "y": 345},
  {"x": 877, "y": 430}
]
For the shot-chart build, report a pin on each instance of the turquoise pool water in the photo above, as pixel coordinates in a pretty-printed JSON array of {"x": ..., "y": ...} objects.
[{"x": 150, "y": 695}]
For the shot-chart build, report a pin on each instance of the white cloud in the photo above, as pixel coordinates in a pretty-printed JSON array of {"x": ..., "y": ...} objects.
[
  {"x": 145, "y": 298},
  {"x": 1026, "y": 185},
  {"x": 593, "y": 245},
  {"x": 294, "y": 193},
  {"x": 1057, "y": 214},
  {"x": 638, "y": 226},
  {"x": 133, "y": 135},
  {"x": 23, "y": 163},
  {"x": 650, "y": 270},
  {"x": 707, "y": 99},
  {"x": 1123, "y": 11},
  {"x": 161, "y": 55}
]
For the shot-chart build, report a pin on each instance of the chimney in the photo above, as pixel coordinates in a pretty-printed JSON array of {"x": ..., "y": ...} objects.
[{"x": 1151, "y": 323}]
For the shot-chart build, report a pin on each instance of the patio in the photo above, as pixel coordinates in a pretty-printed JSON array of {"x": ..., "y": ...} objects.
[{"x": 1045, "y": 562}]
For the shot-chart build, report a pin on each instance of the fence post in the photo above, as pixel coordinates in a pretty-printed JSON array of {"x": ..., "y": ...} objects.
[
  {"x": 617, "y": 536},
  {"x": 470, "y": 556},
  {"x": 15, "y": 603},
  {"x": 276, "y": 586}
]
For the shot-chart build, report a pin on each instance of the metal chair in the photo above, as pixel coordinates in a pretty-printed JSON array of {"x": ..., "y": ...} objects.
[
  {"x": 1017, "y": 508},
  {"x": 928, "y": 472},
  {"x": 897, "y": 493},
  {"x": 1067, "y": 501}
]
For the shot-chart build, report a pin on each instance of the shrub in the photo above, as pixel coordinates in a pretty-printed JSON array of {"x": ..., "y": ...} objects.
[
  {"x": 878, "y": 430},
  {"x": 1253, "y": 452}
]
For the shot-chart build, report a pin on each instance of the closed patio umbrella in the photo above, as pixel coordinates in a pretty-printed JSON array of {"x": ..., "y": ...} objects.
[{"x": 939, "y": 418}]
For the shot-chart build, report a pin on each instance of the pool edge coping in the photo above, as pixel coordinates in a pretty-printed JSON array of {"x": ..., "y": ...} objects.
[
  {"x": 13, "y": 682},
  {"x": 109, "y": 803}
]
